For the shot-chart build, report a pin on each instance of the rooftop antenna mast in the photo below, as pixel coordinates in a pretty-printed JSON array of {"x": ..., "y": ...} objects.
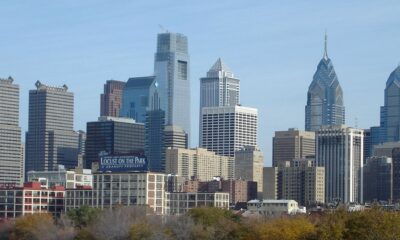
[{"x": 162, "y": 28}]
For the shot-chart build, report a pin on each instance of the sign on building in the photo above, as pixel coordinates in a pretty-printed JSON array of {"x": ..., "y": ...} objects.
[{"x": 123, "y": 163}]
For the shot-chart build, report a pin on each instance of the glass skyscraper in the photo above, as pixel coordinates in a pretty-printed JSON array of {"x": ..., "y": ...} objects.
[
  {"x": 325, "y": 97},
  {"x": 171, "y": 68},
  {"x": 390, "y": 112},
  {"x": 135, "y": 98}
]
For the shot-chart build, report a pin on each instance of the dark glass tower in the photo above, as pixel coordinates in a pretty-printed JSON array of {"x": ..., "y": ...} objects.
[
  {"x": 154, "y": 134},
  {"x": 390, "y": 112},
  {"x": 325, "y": 97}
]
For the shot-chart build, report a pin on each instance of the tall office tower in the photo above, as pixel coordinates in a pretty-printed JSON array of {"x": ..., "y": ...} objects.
[
  {"x": 396, "y": 174},
  {"x": 51, "y": 140},
  {"x": 171, "y": 68},
  {"x": 225, "y": 130},
  {"x": 292, "y": 144},
  {"x": 378, "y": 179},
  {"x": 11, "y": 161},
  {"x": 325, "y": 97},
  {"x": 111, "y": 98},
  {"x": 390, "y": 114},
  {"x": 271, "y": 183},
  {"x": 175, "y": 137},
  {"x": 367, "y": 145},
  {"x": 340, "y": 150},
  {"x": 81, "y": 148},
  {"x": 114, "y": 136},
  {"x": 385, "y": 149},
  {"x": 154, "y": 147},
  {"x": 303, "y": 182},
  {"x": 219, "y": 88},
  {"x": 135, "y": 98},
  {"x": 198, "y": 164},
  {"x": 249, "y": 163}
]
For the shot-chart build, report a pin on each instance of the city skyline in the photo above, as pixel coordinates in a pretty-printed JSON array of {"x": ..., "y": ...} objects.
[{"x": 366, "y": 55}]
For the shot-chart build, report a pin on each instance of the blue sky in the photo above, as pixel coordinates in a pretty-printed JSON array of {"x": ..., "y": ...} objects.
[{"x": 273, "y": 47}]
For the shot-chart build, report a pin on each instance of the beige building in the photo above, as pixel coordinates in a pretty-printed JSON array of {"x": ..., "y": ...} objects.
[
  {"x": 303, "y": 181},
  {"x": 198, "y": 163},
  {"x": 273, "y": 208},
  {"x": 249, "y": 163},
  {"x": 292, "y": 144},
  {"x": 270, "y": 183}
]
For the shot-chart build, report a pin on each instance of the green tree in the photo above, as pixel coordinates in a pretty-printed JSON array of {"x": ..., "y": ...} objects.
[{"x": 83, "y": 216}]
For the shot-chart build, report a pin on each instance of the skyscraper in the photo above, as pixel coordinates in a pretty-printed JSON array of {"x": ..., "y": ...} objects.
[
  {"x": 111, "y": 98},
  {"x": 225, "y": 130},
  {"x": 154, "y": 135},
  {"x": 51, "y": 140},
  {"x": 171, "y": 69},
  {"x": 11, "y": 158},
  {"x": 135, "y": 98},
  {"x": 220, "y": 87},
  {"x": 292, "y": 144},
  {"x": 390, "y": 114},
  {"x": 325, "y": 97},
  {"x": 114, "y": 136},
  {"x": 340, "y": 150}
]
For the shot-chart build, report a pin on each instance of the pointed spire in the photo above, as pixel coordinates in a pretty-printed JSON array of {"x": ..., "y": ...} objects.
[{"x": 326, "y": 46}]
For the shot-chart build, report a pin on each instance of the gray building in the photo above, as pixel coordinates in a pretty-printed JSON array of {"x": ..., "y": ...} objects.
[
  {"x": 340, "y": 150},
  {"x": 396, "y": 174},
  {"x": 51, "y": 140},
  {"x": 378, "y": 179},
  {"x": 175, "y": 137},
  {"x": 292, "y": 144},
  {"x": 220, "y": 87},
  {"x": 325, "y": 97},
  {"x": 136, "y": 98},
  {"x": 390, "y": 114},
  {"x": 171, "y": 68},
  {"x": 271, "y": 183},
  {"x": 11, "y": 157},
  {"x": 114, "y": 136},
  {"x": 225, "y": 130}
]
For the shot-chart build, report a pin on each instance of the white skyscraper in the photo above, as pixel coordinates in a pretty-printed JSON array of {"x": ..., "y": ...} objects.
[
  {"x": 225, "y": 130},
  {"x": 340, "y": 150},
  {"x": 11, "y": 157}
]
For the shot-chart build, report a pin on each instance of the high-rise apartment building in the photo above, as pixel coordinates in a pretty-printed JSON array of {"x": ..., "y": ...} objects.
[
  {"x": 340, "y": 150},
  {"x": 114, "y": 136},
  {"x": 249, "y": 163},
  {"x": 378, "y": 179},
  {"x": 292, "y": 144},
  {"x": 51, "y": 140},
  {"x": 175, "y": 137},
  {"x": 325, "y": 97},
  {"x": 303, "y": 182},
  {"x": 225, "y": 130},
  {"x": 171, "y": 69},
  {"x": 111, "y": 98},
  {"x": 136, "y": 98},
  {"x": 271, "y": 183},
  {"x": 220, "y": 87},
  {"x": 198, "y": 164},
  {"x": 390, "y": 114},
  {"x": 11, "y": 158}
]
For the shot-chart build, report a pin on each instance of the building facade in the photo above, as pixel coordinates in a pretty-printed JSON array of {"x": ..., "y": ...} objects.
[
  {"x": 303, "y": 182},
  {"x": 249, "y": 163},
  {"x": 136, "y": 98},
  {"x": 396, "y": 174},
  {"x": 31, "y": 198},
  {"x": 113, "y": 136},
  {"x": 220, "y": 87},
  {"x": 225, "y": 130},
  {"x": 292, "y": 144},
  {"x": 271, "y": 183},
  {"x": 325, "y": 104},
  {"x": 378, "y": 179},
  {"x": 175, "y": 137},
  {"x": 62, "y": 177},
  {"x": 51, "y": 139},
  {"x": 11, "y": 158},
  {"x": 172, "y": 72},
  {"x": 273, "y": 208},
  {"x": 340, "y": 150},
  {"x": 180, "y": 203},
  {"x": 111, "y": 98},
  {"x": 198, "y": 164}
]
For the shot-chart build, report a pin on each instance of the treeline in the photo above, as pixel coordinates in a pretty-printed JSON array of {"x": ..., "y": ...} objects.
[{"x": 202, "y": 223}]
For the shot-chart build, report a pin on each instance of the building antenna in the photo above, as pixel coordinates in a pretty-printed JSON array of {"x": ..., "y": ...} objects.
[
  {"x": 326, "y": 46},
  {"x": 162, "y": 28}
]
